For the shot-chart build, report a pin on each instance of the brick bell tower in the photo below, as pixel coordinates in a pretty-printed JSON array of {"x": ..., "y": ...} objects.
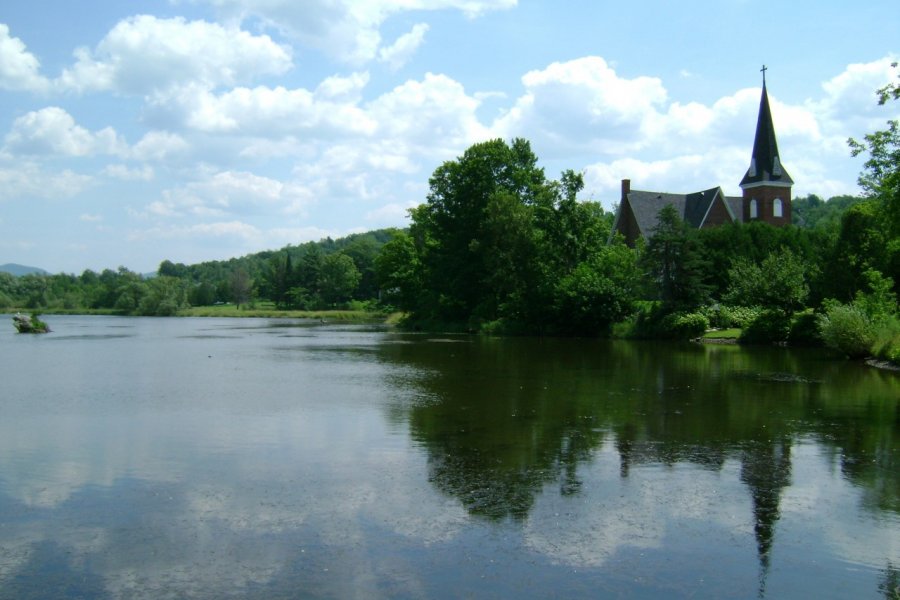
[{"x": 766, "y": 185}]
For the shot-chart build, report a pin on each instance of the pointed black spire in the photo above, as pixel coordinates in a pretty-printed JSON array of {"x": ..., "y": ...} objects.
[{"x": 765, "y": 163}]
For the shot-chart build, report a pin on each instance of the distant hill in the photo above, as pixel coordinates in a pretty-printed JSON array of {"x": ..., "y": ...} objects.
[{"x": 19, "y": 270}]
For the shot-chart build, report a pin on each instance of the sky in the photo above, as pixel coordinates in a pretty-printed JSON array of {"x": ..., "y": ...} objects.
[{"x": 193, "y": 130}]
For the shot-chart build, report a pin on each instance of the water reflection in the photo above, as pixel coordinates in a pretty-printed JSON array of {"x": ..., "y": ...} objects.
[
  {"x": 214, "y": 459},
  {"x": 511, "y": 421}
]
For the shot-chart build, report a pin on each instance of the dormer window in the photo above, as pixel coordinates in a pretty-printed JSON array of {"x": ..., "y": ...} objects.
[
  {"x": 777, "y": 210},
  {"x": 752, "y": 171},
  {"x": 776, "y": 167}
]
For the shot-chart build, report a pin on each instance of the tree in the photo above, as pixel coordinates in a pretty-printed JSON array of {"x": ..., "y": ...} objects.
[
  {"x": 674, "y": 264},
  {"x": 241, "y": 286},
  {"x": 277, "y": 279},
  {"x": 338, "y": 278},
  {"x": 598, "y": 293},
  {"x": 880, "y": 177},
  {"x": 451, "y": 229},
  {"x": 778, "y": 282},
  {"x": 163, "y": 297},
  {"x": 399, "y": 273}
]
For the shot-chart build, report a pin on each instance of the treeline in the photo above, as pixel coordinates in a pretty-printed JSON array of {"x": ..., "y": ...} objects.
[{"x": 311, "y": 276}]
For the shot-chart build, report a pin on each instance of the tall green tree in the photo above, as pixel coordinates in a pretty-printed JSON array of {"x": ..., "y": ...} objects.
[
  {"x": 598, "y": 292},
  {"x": 674, "y": 264},
  {"x": 461, "y": 227},
  {"x": 338, "y": 279},
  {"x": 399, "y": 273},
  {"x": 880, "y": 178}
]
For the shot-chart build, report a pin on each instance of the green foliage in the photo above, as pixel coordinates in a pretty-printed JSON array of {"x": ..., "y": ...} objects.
[
  {"x": 753, "y": 242},
  {"x": 880, "y": 179},
  {"x": 887, "y": 340},
  {"x": 654, "y": 321},
  {"x": 398, "y": 272},
  {"x": 878, "y": 300},
  {"x": 847, "y": 329},
  {"x": 725, "y": 316},
  {"x": 769, "y": 327},
  {"x": 597, "y": 293},
  {"x": 338, "y": 279},
  {"x": 674, "y": 263},
  {"x": 164, "y": 297},
  {"x": 683, "y": 326},
  {"x": 813, "y": 212},
  {"x": 778, "y": 282},
  {"x": 498, "y": 247},
  {"x": 805, "y": 330},
  {"x": 866, "y": 326}
]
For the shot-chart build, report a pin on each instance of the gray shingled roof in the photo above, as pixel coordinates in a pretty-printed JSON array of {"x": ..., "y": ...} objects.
[
  {"x": 736, "y": 204},
  {"x": 691, "y": 207}
]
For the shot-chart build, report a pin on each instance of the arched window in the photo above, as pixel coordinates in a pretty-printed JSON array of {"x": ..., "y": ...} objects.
[
  {"x": 753, "y": 210},
  {"x": 776, "y": 208}
]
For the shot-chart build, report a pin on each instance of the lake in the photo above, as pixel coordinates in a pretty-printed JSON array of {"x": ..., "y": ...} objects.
[{"x": 259, "y": 458}]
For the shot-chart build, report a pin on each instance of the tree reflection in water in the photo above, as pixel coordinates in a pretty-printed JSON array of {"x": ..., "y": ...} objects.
[{"x": 508, "y": 417}]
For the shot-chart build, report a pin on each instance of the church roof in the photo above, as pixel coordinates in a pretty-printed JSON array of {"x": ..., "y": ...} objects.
[
  {"x": 765, "y": 162},
  {"x": 692, "y": 208}
]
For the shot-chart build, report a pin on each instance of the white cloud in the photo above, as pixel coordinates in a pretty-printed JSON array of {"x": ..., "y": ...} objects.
[
  {"x": 390, "y": 214},
  {"x": 338, "y": 87},
  {"x": 126, "y": 173},
  {"x": 233, "y": 229},
  {"x": 19, "y": 69},
  {"x": 583, "y": 103},
  {"x": 29, "y": 180},
  {"x": 434, "y": 115},
  {"x": 263, "y": 111},
  {"x": 344, "y": 29},
  {"x": 638, "y": 135},
  {"x": 52, "y": 130},
  {"x": 159, "y": 145},
  {"x": 231, "y": 193},
  {"x": 144, "y": 53},
  {"x": 398, "y": 54}
]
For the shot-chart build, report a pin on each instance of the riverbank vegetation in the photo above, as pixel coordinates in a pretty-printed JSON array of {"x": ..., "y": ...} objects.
[{"x": 497, "y": 247}]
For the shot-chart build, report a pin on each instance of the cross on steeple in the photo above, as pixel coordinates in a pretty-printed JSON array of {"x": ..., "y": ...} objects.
[{"x": 763, "y": 71}]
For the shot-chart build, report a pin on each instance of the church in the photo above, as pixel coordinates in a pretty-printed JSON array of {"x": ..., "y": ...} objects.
[{"x": 766, "y": 192}]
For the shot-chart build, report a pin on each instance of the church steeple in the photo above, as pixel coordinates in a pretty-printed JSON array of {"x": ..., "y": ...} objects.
[{"x": 766, "y": 184}]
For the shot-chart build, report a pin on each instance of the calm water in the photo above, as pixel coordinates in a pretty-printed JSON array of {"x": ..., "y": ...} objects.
[{"x": 206, "y": 458}]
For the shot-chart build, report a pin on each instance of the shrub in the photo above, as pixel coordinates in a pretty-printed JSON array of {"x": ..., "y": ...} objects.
[
  {"x": 805, "y": 330},
  {"x": 683, "y": 326},
  {"x": 847, "y": 329},
  {"x": 769, "y": 327},
  {"x": 725, "y": 316},
  {"x": 653, "y": 322},
  {"x": 887, "y": 340}
]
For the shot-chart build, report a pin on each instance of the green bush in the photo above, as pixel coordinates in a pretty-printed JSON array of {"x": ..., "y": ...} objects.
[
  {"x": 847, "y": 329},
  {"x": 769, "y": 327},
  {"x": 723, "y": 316},
  {"x": 653, "y": 322},
  {"x": 683, "y": 326},
  {"x": 805, "y": 330},
  {"x": 887, "y": 340}
]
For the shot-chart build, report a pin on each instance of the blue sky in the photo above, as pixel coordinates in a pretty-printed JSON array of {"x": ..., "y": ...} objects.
[{"x": 190, "y": 130}]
